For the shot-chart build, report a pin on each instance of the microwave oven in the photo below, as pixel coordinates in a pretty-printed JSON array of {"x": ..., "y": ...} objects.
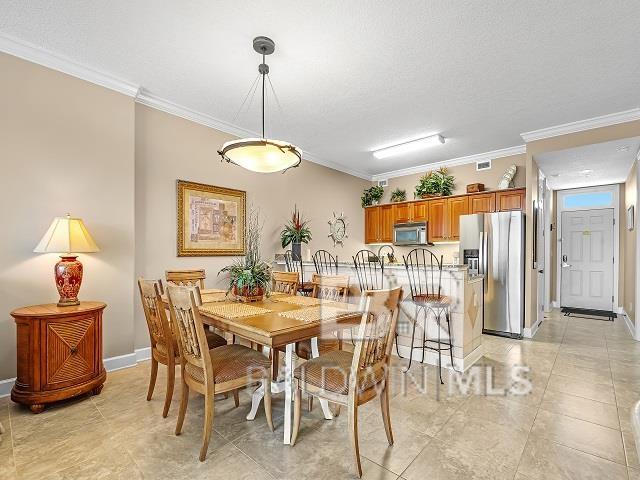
[{"x": 411, "y": 234}]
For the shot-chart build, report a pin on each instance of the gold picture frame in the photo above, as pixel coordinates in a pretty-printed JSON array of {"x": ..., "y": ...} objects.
[{"x": 211, "y": 220}]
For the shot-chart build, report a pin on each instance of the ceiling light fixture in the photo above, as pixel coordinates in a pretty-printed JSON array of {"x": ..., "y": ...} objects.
[
  {"x": 262, "y": 155},
  {"x": 407, "y": 147}
]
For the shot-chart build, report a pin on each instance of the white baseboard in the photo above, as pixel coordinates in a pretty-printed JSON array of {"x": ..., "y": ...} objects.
[
  {"x": 629, "y": 323},
  {"x": 111, "y": 364},
  {"x": 555, "y": 304},
  {"x": 431, "y": 358},
  {"x": 530, "y": 332}
]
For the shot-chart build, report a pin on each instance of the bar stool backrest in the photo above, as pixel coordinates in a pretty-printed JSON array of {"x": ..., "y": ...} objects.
[
  {"x": 325, "y": 263},
  {"x": 370, "y": 270},
  {"x": 294, "y": 265},
  {"x": 425, "y": 273}
]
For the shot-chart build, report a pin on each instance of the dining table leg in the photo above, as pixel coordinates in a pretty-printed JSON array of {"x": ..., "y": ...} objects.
[
  {"x": 324, "y": 404},
  {"x": 288, "y": 392}
]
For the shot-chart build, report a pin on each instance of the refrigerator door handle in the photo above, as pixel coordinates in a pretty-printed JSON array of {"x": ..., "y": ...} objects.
[
  {"x": 485, "y": 259},
  {"x": 481, "y": 265}
]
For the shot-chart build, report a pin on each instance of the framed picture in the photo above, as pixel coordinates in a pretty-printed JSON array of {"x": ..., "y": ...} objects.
[
  {"x": 211, "y": 220},
  {"x": 630, "y": 219}
]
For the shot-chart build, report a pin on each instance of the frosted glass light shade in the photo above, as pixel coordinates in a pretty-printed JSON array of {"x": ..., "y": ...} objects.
[
  {"x": 67, "y": 235},
  {"x": 261, "y": 155}
]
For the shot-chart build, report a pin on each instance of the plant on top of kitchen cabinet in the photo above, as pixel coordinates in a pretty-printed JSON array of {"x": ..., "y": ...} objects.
[
  {"x": 372, "y": 196},
  {"x": 435, "y": 184},
  {"x": 250, "y": 276},
  {"x": 398, "y": 195},
  {"x": 295, "y": 232}
]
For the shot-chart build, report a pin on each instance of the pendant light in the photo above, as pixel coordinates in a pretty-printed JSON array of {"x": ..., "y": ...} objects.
[{"x": 262, "y": 155}]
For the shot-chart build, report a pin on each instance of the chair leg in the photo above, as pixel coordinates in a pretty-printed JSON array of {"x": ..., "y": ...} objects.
[
  {"x": 297, "y": 412},
  {"x": 208, "y": 425},
  {"x": 450, "y": 340},
  {"x": 439, "y": 352},
  {"x": 413, "y": 335},
  {"x": 184, "y": 401},
  {"x": 353, "y": 433},
  {"x": 384, "y": 404},
  {"x": 236, "y": 398},
  {"x": 152, "y": 379},
  {"x": 171, "y": 380},
  {"x": 275, "y": 364},
  {"x": 309, "y": 403},
  {"x": 266, "y": 383}
]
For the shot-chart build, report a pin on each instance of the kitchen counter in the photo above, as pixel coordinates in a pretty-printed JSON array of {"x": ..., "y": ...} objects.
[{"x": 467, "y": 296}]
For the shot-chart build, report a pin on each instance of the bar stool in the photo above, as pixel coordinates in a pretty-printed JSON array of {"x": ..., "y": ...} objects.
[
  {"x": 369, "y": 269},
  {"x": 325, "y": 263},
  {"x": 295, "y": 265},
  {"x": 425, "y": 279}
]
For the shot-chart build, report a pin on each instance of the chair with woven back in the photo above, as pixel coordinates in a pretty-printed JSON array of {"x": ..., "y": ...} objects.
[
  {"x": 285, "y": 282},
  {"x": 218, "y": 370},
  {"x": 353, "y": 379},
  {"x": 164, "y": 347},
  {"x": 186, "y": 278}
]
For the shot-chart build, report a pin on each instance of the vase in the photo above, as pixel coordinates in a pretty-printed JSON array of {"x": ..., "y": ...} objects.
[
  {"x": 245, "y": 294},
  {"x": 68, "y": 272},
  {"x": 296, "y": 251},
  {"x": 431, "y": 195}
]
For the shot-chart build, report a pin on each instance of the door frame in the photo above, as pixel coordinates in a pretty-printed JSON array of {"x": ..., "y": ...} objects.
[
  {"x": 548, "y": 221},
  {"x": 561, "y": 194}
]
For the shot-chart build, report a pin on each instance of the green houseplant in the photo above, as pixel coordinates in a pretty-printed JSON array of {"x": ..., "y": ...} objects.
[
  {"x": 295, "y": 232},
  {"x": 250, "y": 276},
  {"x": 398, "y": 195},
  {"x": 435, "y": 184},
  {"x": 371, "y": 195}
]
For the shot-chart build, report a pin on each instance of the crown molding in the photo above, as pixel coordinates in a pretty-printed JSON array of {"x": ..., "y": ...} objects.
[
  {"x": 478, "y": 157},
  {"x": 150, "y": 100},
  {"x": 41, "y": 56},
  {"x": 582, "y": 125}
]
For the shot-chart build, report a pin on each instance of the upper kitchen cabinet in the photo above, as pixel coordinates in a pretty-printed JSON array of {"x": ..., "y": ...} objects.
[
  {"x": 507, "y": 200},
  {"x": 456, "y": 207},
  {"x": 385, "y": 233},
  {"x": 378, "y": 224},
  {"x": 402, "y": 212},
  {"x": 482, "y": 203},
  {"x": 438, "y": 228},
  {"x": 420, "y": 211}
]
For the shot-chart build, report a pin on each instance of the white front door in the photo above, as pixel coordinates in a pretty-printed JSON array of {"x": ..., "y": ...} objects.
[{"x": 587, "y": 259}]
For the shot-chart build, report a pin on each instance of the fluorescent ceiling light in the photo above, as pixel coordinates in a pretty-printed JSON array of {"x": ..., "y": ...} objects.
[{"x": 407, "y": 147}]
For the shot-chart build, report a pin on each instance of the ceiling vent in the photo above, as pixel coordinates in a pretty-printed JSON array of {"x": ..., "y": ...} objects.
[
  {"x": 383, "y": 183},
  {"x": 483, "y": 165}
]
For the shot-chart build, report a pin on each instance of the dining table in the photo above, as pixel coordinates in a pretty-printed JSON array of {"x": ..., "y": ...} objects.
[{"x": 278, "y": 321}]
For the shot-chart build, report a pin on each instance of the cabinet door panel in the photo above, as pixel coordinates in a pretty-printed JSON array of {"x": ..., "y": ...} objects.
[
  {"x": 402, "y": 212},
  {"x": 420, "y": 211},
  {"x": 437, "y": 215},
  {"x": 385, "y": 232},
  {"x": 482, "y": 203},
  {"x": 371, "y": 221},
  {"x": 456, "y": 207},
  {"x": 510, "y": 200}
]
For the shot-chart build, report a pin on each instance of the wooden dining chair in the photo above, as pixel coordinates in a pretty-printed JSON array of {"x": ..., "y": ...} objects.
[
  {"x": 164, "y": 348},
  {"x": 285, "y": 282},
  {"x": 353, "y": 379},
  {"x": 218, "y": 370},
  {"x": 325, "y": 263},
  {"x": 186, "y": 278}
]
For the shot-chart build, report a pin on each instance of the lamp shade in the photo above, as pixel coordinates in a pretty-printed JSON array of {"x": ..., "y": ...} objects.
[
  {"x": 67, "y": 235},
  {"x": 261, "y": 155}
]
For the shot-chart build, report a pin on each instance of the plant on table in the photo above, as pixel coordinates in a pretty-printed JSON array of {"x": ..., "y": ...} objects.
[
  {"x": 435, "y": 184},
  {"x": 371, "y": 196},
  {"x": 250, "y": 276}
]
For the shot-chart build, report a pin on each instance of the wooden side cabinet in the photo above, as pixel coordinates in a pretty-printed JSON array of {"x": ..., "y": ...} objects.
[
  {"x": 508, "y": 200},
  {"x": 59, "y": 353}
]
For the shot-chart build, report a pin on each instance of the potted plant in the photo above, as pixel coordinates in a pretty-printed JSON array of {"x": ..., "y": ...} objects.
[
  {"x": 295, "y": 232},
  {"x": 371, "y": 196},
  {"x": 435, "y": 184},
  {"x": 250, "y": 276},
  {"x": 398, "y": 195}
]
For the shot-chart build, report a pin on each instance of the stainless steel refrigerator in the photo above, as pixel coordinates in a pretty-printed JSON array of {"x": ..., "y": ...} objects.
[{"x": 492, "y": 244}]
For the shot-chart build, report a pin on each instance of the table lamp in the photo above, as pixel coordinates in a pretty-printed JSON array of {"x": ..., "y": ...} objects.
[{"x": 66, "y": 235}]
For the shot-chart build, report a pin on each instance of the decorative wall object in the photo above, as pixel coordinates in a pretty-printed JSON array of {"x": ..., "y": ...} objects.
[
  {"x": 211, "y": 220},
  {"x": 338, "y": 229},
  {"x": 630, "y": 218},
  {"x": 398, "y": 195},
  {"x": 507, "y": 179}
]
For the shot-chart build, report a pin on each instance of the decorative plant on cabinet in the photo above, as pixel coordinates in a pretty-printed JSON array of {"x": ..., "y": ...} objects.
[
  {"x": 398, "y": 195},
  {"x": 250, "y": 276},
  {"x": 294, "y": 233},
  {"x": 435, "y": 184},
  {"x": 371, "y": 196}
]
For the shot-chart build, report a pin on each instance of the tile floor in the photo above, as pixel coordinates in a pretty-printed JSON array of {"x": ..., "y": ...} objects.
[{"x": 574, "y": 423}]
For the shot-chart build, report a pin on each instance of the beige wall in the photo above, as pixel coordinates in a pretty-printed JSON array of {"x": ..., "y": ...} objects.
[
  {"x": 66, "y": 146},
  {"x": 170, "y": 148},
  {"x": 464, "y": 175},
  {"x": 628, "y": 241}
]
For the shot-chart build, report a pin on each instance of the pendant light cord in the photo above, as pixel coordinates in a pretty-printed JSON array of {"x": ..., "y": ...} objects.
[{"x": 263, "y": 75}]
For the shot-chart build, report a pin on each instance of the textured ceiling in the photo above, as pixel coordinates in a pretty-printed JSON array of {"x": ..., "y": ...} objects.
[
  {"x": 355, "y": 75},
  {"x": 597, "y": 164}
]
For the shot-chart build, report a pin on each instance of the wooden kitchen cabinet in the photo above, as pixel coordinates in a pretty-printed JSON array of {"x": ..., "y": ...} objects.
[
  {"x": 402, "y": 212},
  {"x": 420, "y": 211},
  {"x": 508, "y": 200},
  {"x": 385, "y": 231},
  {"x": 456, "y": 207},
  {"x": 438, "y": 227},
  {"x": 371, "y": 224},
  {"x": 482, "y": 203}
]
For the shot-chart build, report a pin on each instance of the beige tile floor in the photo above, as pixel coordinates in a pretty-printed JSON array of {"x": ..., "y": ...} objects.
[{"x": 572, "y": 425}]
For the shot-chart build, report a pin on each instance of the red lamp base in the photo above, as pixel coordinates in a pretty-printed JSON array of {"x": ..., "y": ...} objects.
[{"x": 68, "y": 273}]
